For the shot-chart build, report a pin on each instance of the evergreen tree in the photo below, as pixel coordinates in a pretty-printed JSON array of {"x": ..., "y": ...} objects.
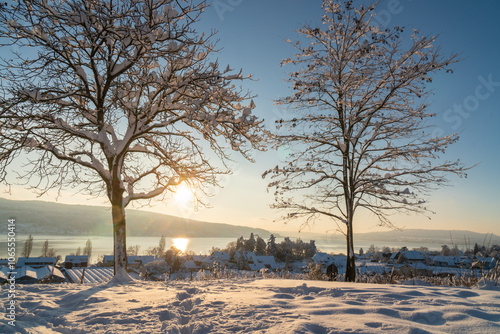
[
  {"x": 250, "y": 243},
  {"x": 260, "y": 246},
  {"x": 272, "y": 248}
]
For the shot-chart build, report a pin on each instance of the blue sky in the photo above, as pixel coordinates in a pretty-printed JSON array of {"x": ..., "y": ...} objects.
[{"x": 252, "y": 33}]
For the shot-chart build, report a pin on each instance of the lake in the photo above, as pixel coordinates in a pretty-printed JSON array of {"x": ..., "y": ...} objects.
[{"x": 102, "y": 245}]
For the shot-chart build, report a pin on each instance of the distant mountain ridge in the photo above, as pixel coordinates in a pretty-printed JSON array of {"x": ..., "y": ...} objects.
[
  {"x": 418, "y": 236},
  {"x": 39, "y": 217}
]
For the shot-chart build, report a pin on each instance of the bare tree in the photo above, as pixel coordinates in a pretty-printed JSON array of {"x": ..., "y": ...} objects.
[
  {"x": 133, "y": 250},
  {"x": 121, "y": 98},
  {"x": 28, "y": 246},
  {"x": 359, "y": 123},
  {"x": 161, "y": 246},
  {"x": 87, "y": 250},
  {"x": 45, "y": 249}
]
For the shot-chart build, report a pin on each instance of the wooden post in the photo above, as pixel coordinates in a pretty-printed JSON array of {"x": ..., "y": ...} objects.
[{"x": 82, "y": 277}]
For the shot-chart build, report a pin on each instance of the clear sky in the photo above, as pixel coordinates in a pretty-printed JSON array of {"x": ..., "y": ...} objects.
[{"x": 252, "y": 33}]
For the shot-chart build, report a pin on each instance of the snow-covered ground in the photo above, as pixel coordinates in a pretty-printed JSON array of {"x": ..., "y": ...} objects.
[{"x": 252, "y": 306}]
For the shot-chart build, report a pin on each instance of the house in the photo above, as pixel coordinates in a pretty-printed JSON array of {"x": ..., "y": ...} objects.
[
  {"x": 408, "y": 257},
  {"x": 414, "y": 269},
  {"x": 247, "y": 260},
  {"x": 30, "y": 275},
  {"x": 36, "y": 262},
  {"x": 443, "y": 261},
  {"x": 223, "y": 256},
  {"x": 108, "y": 260},
  {"x": 138, "y": 260},
  {"x": 133, "y": 261},
  {"x": 326, "y": 260},
  {"x": 198, "y": 260},
  {"x": 268, "y": 262},
  {"x": 189, "y": 264},
  {"x": 76, "y": 261},
  {"x": 4, "y": 274},
  {"x": 486, "y": 263},
  {"x": 26, "y": 275},
  {"x": 210, "y": 261}
]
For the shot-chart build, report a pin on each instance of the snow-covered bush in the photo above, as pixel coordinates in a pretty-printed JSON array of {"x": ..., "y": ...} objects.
[
  {"x": 155, "y": 270},
  {"x": 315, "y": 272}
]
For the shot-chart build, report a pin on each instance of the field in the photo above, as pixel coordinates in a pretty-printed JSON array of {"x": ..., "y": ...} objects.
[{"x": 253, "y": 306}]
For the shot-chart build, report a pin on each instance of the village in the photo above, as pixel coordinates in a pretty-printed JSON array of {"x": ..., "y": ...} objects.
[{"x": 174, "y": 265}]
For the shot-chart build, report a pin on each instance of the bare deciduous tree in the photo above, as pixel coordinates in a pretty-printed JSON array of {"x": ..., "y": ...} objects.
[
  {"x": 28, "y": 246},
  {"x": 87, "y": 250},
  {"x": 121, "y": 98},
  {"x": 360, "y": 125}
]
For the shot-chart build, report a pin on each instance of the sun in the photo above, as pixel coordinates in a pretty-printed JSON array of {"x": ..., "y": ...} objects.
[
  {"x": 181, "y": 244},
  {"x": 183, "y": 194}
]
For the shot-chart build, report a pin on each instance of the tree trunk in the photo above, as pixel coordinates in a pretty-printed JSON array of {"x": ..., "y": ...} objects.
[
  {"x": 119, "y": 240},
  {"x": 350, "y": 271}
]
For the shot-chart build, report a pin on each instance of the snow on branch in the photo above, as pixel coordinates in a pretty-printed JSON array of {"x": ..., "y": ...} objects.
[
  {"x": 122, "y": 88},
  {"x": 360, "y": 116}
]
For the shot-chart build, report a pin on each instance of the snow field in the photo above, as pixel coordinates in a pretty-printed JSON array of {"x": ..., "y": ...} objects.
[{"x": 254, "y": 306}]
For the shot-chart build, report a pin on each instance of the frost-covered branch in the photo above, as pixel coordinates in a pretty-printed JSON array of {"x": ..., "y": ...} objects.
[
  {"x": 359, "y": 125},
  {"x": 122, "y": 98}
]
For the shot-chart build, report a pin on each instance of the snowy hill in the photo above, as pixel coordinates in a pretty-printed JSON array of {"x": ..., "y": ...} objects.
[
  {"x": 38, "y": 217},
  {"x": 252, "y": 306}
]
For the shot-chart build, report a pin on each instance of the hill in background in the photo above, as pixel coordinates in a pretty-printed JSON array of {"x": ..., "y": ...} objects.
[
  {"x": 464, "y": 239},
  {"x": 39, "y": 217}
]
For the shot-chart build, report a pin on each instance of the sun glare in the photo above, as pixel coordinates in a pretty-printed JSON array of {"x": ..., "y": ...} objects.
[
  {"x": 183, "y": 194},
  {"x": 181, "y": 244}
]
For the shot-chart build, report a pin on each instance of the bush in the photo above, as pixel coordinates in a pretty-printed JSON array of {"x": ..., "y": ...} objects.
[{"x": 155, "y": 270}]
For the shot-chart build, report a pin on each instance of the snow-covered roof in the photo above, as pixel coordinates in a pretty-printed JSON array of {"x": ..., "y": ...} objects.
[
  {"x": 199, "y": 258},
  {"x": 256, "y": 266},
  {"x": 39, "y": 273},
  {"x": 26, "y": 271},
  {"x": 189, "y": 264},
  {"x": 224, "y": 256},
  {"x": 449, "y": 260},
  {"x": 413, "y": 255},
  {"x": 49, "y": 270},
  {"x": 417, "y": 266},
  {"x": 144, "y": 259},
  {"x": 4, "y": 273},
  {"x": 108, "y": 258},
  {"x": 76, "y": 258},
  {"x": 211, "y": 259},
  {"x": 36, "y": 261},
  {"x": 132, "y": 259},
  {"x": 267, "y": 261},
  {"x": 249, "y": 256},
  {"x": 323, "y": 258}
]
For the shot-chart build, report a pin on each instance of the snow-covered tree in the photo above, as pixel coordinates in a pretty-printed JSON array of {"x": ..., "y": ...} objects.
[
  {"x": 250, "y": 243},
  {"x": 260, "y": 246},
  {"x": 272, "y": 247},
  {"x": 118, "y": 98},
  {"x": 359, "y": 122}
]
